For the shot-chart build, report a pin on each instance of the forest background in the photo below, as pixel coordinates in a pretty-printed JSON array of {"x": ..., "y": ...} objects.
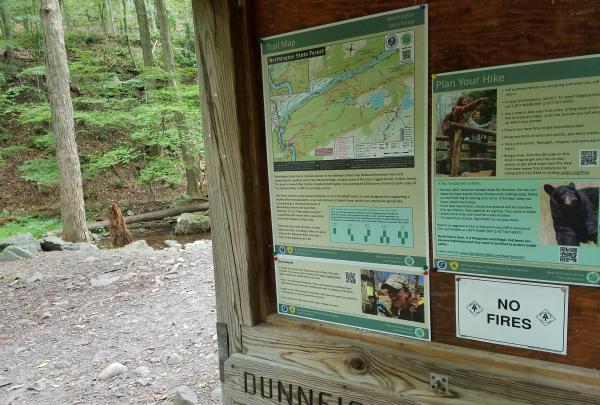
[{"x": 135, "y": 96}]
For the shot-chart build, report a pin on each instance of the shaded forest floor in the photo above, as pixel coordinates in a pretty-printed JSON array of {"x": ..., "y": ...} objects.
[{"x": 66, "y": 316}]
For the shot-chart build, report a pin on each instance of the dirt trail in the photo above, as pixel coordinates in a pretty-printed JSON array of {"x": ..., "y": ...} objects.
[{"x": 69, "y": 315}]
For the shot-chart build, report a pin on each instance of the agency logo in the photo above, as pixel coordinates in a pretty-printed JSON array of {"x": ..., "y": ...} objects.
[
  {"x": 391, "y": 41},
  {"x": 592, "y": 277}
]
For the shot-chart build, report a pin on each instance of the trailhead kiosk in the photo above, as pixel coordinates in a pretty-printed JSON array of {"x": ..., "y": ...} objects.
[{"x": 404, "y": 199}]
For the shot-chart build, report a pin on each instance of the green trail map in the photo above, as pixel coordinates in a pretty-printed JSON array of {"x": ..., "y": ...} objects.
[{"x": 350, "y": 100}]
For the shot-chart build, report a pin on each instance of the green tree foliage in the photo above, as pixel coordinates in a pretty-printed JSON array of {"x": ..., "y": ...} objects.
[
  {"x": 161, "y": 169},
  {"x": 122, "y": 110},
  {"x": 109, "y": 159}
]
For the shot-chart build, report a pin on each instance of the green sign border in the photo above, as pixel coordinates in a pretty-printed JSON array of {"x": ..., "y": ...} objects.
[
  {"x": 346, "y": 29},
  {"x": 522, "y": 73},
  {"x": 351, "y": 255},
  {"x": 365, "y": 323},
  {"x": 530, "y": 273}
]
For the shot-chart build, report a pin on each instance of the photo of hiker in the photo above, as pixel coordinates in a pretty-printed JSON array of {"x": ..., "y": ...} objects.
[
  {"x": 393, "y": 295},
  {"x": 569, "y": 214},
  {"x": 466, "y": 134}
]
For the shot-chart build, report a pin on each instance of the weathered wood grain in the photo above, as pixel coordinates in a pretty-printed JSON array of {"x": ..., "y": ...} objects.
[
  {"x": 253, "y": 144},
  {"x": 243, "y": 383},
  {"x": 222, "y": 139},
  {"x": 402, "y": 367},
  {"x": 463, "y": 35}
]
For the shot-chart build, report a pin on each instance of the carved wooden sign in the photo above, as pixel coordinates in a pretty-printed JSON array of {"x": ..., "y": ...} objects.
[{"x": 253, "y": 381}]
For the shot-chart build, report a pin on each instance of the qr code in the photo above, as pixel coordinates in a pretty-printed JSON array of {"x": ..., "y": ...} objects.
[
  {"x": 350, "y": 277},
  {"x": 588, "y": 157},
  {"x": 568, "y": 254},
  {"x": 406, "y": 54}
]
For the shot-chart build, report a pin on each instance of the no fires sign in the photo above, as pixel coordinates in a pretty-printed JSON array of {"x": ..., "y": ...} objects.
[{"x": 513, "y": 313}]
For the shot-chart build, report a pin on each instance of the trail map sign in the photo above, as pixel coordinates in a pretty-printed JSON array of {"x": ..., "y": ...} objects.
[
  {"x": 345, "y": 114},
  {"x": 533, "y": 316},
  {"x": 517, "y": 171}
]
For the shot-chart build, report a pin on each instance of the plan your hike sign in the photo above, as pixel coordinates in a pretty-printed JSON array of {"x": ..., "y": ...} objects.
[
  {"x": 513, "y": 313},
  {"x": 346, "y": 126},
  {"x": 516, "y": 171}
]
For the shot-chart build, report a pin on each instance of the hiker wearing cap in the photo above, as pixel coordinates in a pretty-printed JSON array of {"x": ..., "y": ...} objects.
[{"x": 404, "y": 303}]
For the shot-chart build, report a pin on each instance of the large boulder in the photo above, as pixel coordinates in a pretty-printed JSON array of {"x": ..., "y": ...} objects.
[
  {"x": 54, "y": 244},
  {"x": 189, "y": 223},
  {"x": 24, "y": 241},
  {"x": 13, "y": 252}
]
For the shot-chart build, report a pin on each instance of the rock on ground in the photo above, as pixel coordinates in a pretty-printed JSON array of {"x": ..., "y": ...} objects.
[
  {"x": 59, "y": 333},
  {"x": 184, "y": 395},
  {"x": 112, "y": 370},
  {"x": 25, "y": 241},
  {"x": 140, "y": 246},
  {"x": 13, "y": 253}
]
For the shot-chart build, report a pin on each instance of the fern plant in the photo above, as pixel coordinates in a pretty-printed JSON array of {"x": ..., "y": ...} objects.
[{"x": 40, "y": 171}]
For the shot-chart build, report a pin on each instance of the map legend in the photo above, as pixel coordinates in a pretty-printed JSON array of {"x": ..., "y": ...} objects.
[{"x": 371, "y": 226}]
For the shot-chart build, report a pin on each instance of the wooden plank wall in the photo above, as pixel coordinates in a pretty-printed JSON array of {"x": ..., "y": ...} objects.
[
  {"x": 462, "y": 35},
  {"x": 322, "y": 361}
]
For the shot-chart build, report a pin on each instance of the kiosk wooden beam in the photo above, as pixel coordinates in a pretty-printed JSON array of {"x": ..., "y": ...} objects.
[{"x": 225, "y": 160}]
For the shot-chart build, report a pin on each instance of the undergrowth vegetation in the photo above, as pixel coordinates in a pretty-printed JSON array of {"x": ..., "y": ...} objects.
[
  {"x": 37, "y": 224},
  {"x": 129, "y": 122}
]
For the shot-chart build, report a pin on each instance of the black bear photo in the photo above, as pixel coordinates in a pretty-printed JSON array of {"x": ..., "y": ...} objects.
[{"x": 574, "y": 213}]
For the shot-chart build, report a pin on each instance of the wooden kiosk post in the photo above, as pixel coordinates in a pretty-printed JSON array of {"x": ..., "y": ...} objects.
[{"x": 270, "y": 359}]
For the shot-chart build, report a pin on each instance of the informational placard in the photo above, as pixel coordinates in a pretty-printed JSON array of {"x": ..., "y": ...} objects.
[
  {"x": 516, "y": 171},
  {"x": 346, "y": 123},
  {"x": 513, "y": 313},
  {"x": 382, "y": 298}
]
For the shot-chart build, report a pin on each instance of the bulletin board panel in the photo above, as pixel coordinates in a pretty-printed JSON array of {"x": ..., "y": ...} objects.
[{"x": 462, "y": 35}]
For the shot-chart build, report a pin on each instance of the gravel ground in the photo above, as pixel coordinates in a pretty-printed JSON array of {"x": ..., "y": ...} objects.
[{"x": 67, "y": 316}]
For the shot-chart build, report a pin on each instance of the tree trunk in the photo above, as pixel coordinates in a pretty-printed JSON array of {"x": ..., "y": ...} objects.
[
  {"x": 191, "y": 158},
  {"x": 65, "y": 11},
  {"x": 126, "y": 31},
  {"x": 107, "y": 18},
  {"x": 151, "y": 16},
  {"x": 165, "y": 40},
  {"x": 187, "y": 147},
  {"x": 57, "y": 76},
  {"x": 192, "y": 172},
  {"x": 6, "y": 28},
  {"x": 142, "y": 19},
  {"x": 119, "y": 233}
]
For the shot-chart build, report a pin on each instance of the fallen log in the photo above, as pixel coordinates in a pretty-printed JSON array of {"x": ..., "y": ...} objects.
[{"x": 152, "y": 216}]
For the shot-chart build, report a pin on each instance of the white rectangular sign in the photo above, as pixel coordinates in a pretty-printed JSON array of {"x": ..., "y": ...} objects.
[{"x": 512, "y": 313}]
